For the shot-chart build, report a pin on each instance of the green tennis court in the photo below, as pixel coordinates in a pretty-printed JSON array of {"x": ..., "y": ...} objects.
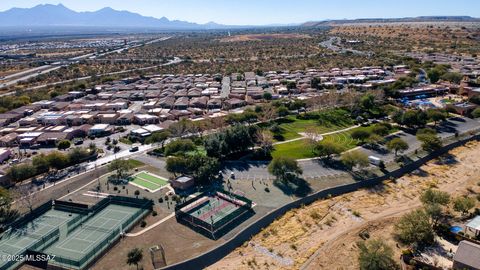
[
  {"x": 34, "y": 235},
  {"x": 211, "y": 209},
  {"x": 149, "y": 181},
  {"x": 93, "y": 236}
]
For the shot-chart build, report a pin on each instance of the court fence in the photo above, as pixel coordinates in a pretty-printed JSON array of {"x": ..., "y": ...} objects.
[
  {"x": 211, "y": 229},
  {"x": 110, "y": 235},
  {"x": 79, "y": 263},
  {"x": 42, "y": 242},
  {"x": 31, "y": 216}
]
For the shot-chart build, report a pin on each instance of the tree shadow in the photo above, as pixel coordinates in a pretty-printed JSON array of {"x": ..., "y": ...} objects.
[
  {"x": 242, "y": 165},
  {"x": 447, "y": 159},
  {"x": 297, "y": 187},
  {"x": 331, "y": 163}
]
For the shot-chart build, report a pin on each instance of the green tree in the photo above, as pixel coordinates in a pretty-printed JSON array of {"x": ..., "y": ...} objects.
[
  {"x": 203, "y": 168},
  {"x": 267, "y": 96},
  {"x": 121, "y": 167},
  {"x": 415, "y": 228},
  {"x": 41, "y": 163},
  {"x": 63, "y": 145},
  {"x": 397, "y": 145},
  {"x": 177, "y": 165},
  {"x": 77, "y": 155},
  {"x": 476, "y": 113},
  {"x": 179, "y": 147},
  {"x": 381, "y": 130},
  {"x": 436, "y": 115},
  {"x": 367, "y": 102},
  {"x": 158, "y": 137},
  {"x": 435, "y": 196},
  {"x": 435, "y": 74},
  {"x": 361, "y": 134},
  {"x": 375, "y": 254},
  {"x": 283, "y": 111},
  {"x": 285, "y": 169},
  {"x": 134, "y": 257},
  {"x": 57, "y": 160},
  {"x": 21, "y": 172},
  {"x": 328, "y": 149},
  {"x": 430, "y": 143},
  {"x": 7, "y": 215},
  {"x": 453, "y": 77},
  {"x": 355, "y": 158},
  {"x": 433, "y": 201},
  {"x": 463, "y": 204},
  {"x": 411, "y": 118}
]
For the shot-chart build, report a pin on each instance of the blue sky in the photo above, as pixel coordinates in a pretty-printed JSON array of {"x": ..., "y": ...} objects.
[{"x": 268, "y": 11}]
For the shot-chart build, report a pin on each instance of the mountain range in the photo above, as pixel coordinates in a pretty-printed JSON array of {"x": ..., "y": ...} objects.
[
  {"x": 61, "y": 16},
  {"x": 393, "y": 20},
  {"x": 58, "y": 16}
]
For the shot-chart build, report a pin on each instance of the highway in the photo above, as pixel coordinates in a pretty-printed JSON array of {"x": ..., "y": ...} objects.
[
  {"x": 174, "y": 61},
  {"x": 25, "y": 75}
]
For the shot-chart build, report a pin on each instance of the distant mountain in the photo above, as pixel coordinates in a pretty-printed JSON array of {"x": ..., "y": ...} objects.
[
  {"x": 60, "y": 16},
  {"x": 394, "y": 20}
]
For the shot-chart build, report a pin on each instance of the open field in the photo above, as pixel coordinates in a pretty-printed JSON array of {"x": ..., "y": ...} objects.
[
  {"x": 290, "y": 128},
  {"x": 442, "y": 37},
  {"x": 301, "y": 149},
  {"x": 327, "y": 230},
  {"x": 258, "y": 37}
]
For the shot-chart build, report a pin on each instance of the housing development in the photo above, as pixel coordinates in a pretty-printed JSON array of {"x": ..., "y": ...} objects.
[{"x": 131, "y": 142}]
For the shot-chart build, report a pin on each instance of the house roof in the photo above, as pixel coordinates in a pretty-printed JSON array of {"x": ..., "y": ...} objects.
[
  {"x": 468, "y": 254},
  {"x": 474, "y": 223}
]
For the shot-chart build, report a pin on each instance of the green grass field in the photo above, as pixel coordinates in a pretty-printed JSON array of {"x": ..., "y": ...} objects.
[
  {"x": 300, "y": 149},
  {"x": 296, "y": 149},
  {"x": 290, "y": 127}
]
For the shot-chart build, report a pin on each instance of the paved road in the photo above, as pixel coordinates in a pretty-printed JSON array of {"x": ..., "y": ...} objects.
[
  {"x": 176, "y": 60},
  {"x": 34, "y": 72},
  {"x": 334, "y": 44}
]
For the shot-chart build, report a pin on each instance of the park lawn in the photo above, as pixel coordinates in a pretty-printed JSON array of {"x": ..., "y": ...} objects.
[
  {"x": 300, "y": 150},
  {"x": 135, "y": 163},
  {"x": 290, "y": 127},
  {"x": 301, "y": 125},
  {"x": 296, "y": 149}
]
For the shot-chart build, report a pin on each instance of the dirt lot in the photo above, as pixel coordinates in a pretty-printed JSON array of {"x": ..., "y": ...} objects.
[
  {"x": 258, "y": 37},
  {"x": 323, "y": 235}
]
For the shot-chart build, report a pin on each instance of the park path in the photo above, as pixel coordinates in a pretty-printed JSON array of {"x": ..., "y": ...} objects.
[
  {"x": 323, "y": 134},
  {"x": 151, "y": 226}
]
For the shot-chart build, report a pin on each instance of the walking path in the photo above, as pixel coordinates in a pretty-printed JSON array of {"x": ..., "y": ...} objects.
[{"x": 319, "y": 135}]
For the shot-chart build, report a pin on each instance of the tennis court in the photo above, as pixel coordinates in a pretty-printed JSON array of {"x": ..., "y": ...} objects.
[
  {"x": 34, "y": 235},
  {"x": 92, "y": 237},
  {"x": 212, "y": 209},
  {"x": 149, "y": 181}
]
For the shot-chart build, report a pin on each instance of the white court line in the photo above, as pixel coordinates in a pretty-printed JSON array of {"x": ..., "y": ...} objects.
[
  {"x": 74, "y": 236},
  {"x": 85, "y": 239},
  {"x": 119, "y": 221}
]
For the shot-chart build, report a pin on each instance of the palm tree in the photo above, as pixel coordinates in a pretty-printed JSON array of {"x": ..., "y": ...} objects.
[{"x": 134, "y": 256}]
